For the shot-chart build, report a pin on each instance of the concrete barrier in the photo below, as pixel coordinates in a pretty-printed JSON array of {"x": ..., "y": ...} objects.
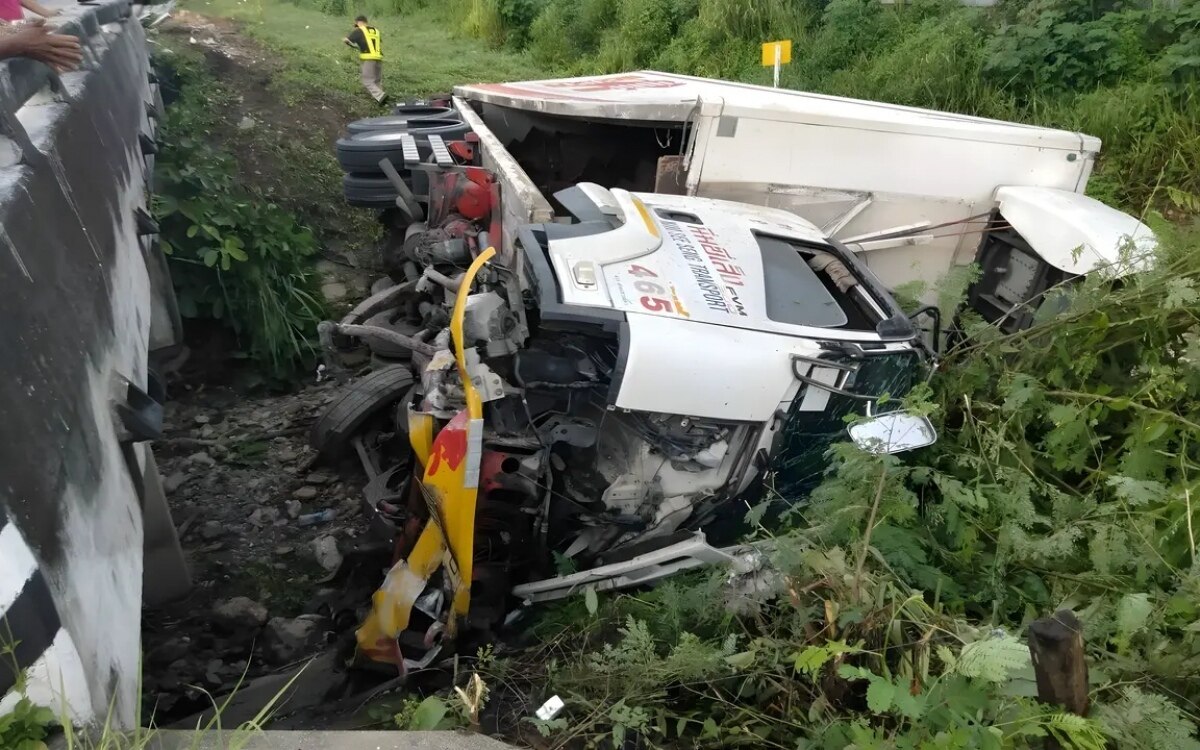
[{"x": 84, "y": 298}]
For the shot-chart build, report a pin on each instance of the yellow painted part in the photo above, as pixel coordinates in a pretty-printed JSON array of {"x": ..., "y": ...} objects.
[
  {"x": 459, "y": 515},
  {"x": 474, "y": 404},
  {"x": 650, "y": 225},
  {"x": 458, "y": 509},
  {"x": 391, "y": 606},
  {"x": 420, "y": 435},
  {"x": 785, "y": 52},
  {"x": 453, "y": 543}
]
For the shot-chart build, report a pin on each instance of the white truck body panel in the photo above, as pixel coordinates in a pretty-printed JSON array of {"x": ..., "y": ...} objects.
[
  {"x": 858, "y": 170},
  {"x": 667, "y": 97},
  {"x": 1073, "y": 232}
]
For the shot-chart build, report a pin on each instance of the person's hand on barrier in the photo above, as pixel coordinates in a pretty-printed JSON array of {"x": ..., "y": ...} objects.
[{"x": 36, "y": 41}]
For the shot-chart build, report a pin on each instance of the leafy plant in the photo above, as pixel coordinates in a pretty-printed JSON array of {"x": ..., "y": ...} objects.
[
  {"x": 25, "y": 726},
  {"x": 236, "y": 257},
  {"x": 424, "y": 715}
]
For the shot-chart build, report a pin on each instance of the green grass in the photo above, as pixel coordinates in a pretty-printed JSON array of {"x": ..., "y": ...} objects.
[{"x": 423, "y": 54}]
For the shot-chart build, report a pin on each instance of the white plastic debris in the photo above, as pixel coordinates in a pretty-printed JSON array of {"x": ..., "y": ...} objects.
[{"x": 550, "y": 708}]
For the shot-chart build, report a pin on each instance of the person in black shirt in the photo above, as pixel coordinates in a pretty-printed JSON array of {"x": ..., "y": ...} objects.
[{"x": 365, "y": 38}]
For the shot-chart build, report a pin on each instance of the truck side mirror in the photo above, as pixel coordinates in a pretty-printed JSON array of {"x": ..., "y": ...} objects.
[{"x": 893, "y": 433}]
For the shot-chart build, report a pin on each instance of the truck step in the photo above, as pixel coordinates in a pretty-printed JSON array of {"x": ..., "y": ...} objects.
[
  {"x": 408, "y": 146},
  {"x": 441, "y": 155}
]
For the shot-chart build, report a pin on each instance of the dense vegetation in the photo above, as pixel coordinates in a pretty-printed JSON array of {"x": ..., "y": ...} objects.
[
  {"x": 1123, "y": 71},
  {"x": 236, "y": 256}
]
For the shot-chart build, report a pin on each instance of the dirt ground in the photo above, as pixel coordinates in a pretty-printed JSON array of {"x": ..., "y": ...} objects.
[
  {"x": 282, "y": 134},
  {"x": 241, "y": 479},
  {"x": 243, "y": 487}
]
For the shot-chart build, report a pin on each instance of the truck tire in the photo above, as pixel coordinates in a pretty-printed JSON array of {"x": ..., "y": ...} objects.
[
  {"x": 401, "y": 120},
  {"x": 376, "y": 190},
  {"x": 368, "y": 190},
  {"x": 363, "y": 151},
  {"x": 392, "y": 319},
  {"x": 333, "y": 432}
]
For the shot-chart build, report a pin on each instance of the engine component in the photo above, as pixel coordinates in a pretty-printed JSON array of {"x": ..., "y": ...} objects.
[
  {"x": 682, "y": 439},
  {"x": 580, "y": 433},
  {"x": 534, "y": 366},
  {"x": 392, "y": 320},
  {"x": 488, "y": 383},
  {"x": 436, "y": 246},
  {"x": 626, "y": 494},
  {"x": 473, "y": 201},
  {"x": 488, "y": 320}
]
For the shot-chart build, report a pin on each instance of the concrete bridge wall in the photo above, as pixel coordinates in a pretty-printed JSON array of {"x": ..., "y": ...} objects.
[{"x": 84, "y": 298}]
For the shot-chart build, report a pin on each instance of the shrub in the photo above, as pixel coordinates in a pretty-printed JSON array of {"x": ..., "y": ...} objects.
[{"x": 235, "y": 256}]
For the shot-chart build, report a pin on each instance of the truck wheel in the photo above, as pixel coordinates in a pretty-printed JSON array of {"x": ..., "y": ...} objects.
[
  {"x": 377, "y": 191},
  {"x": 362, "y": 152},
  {"x": 392, "y": 319},
  {"x": 400, "y": 120},
  {"x": 367, "y": 397},
  {"x": 368, "y": 190}
]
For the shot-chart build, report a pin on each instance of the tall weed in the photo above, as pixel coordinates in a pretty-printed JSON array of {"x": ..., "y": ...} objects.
[{"x": 236, "y": 257}]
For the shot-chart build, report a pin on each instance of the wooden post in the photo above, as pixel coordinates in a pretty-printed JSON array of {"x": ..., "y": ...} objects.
[{"x": 1056, "y": 645}]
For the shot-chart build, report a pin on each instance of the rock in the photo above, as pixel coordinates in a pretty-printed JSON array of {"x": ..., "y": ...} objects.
[
  {"x": 287, "y": 456},
  {"x": 213, "y": 676},
  {"x": 318, "y": 479},
  {"x": 334, "y": 291},
  {"x": 202, "y": 458},
  {"x": 287, "y": 640},
  {"x": 284, "y": 549},
  {"x": 247, "y": 123},
  {"x": 293, "y": 508},
  {"x": 239, "y": 613},
  {"x": 201, "y": 419},
  {"x": 264, "y": 517},
  {"x": 174, "y": 482},
  {"x": 304, "y": 494},
  {"x": 170, "y": 651},
  {"x": 211, "y": 530},
  {"x": 213, "y": 670},
  {"x": 325, "y": 551}
]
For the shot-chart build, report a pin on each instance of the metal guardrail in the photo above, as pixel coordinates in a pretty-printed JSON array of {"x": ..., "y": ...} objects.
[{"x": 22, "y": 78}]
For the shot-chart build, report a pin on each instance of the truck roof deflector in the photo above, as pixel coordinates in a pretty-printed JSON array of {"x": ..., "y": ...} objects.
[{"x": 1075, "y": 233}]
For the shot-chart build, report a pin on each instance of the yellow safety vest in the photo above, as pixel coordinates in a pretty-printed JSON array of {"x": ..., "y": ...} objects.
[{"x": 374, "y": 48}]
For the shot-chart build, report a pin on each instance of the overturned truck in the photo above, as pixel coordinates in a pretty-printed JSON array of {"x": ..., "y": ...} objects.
[{"x": 619, "y": 306}]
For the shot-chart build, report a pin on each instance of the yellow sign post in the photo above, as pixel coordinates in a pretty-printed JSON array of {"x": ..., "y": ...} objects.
[{"x": 775, "y": 54}]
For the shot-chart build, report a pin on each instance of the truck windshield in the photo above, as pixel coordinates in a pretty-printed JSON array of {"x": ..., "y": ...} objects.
[{"x": 794, "y": 293}]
